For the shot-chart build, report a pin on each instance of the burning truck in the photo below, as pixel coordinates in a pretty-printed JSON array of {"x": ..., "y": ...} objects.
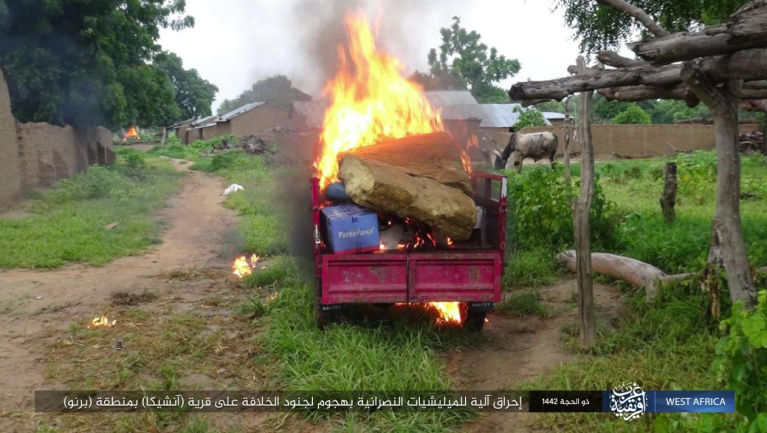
[{"x": 398, "y": 214}]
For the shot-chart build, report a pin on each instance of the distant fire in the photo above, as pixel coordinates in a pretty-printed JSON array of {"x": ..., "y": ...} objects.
[
  {"x": 466, "y": 161},
  {"x": 371, "y": 101},
  {"x": 101, "y": 322},
  {"x": 242, "y": 267},
  {"x": 132, "y": 133}
]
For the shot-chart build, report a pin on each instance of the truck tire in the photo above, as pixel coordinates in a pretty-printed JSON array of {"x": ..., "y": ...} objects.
[
  {"x": 323, "y": 320},
  {"x": 475, "y": 320}
]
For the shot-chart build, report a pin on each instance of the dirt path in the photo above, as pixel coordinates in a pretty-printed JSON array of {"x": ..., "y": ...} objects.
[
  {"x": 516, "y": 350},
  {"x": 34, "y": 302}
]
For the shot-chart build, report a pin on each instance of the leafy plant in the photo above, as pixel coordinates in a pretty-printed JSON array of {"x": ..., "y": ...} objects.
[
  {"x": 741, "y": 362},
  {"x": 632, "y": 115},
  {"x": 529, "y": 117}
]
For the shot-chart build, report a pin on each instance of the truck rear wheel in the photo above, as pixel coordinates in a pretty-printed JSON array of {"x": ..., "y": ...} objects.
[{"x": 475, "y": 320}]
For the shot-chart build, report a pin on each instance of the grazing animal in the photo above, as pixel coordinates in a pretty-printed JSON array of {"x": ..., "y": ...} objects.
[{"x": 536, "y": 145}]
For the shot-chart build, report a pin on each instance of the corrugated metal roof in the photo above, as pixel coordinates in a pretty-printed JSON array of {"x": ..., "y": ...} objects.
[
  {"x": 238, "y": 111},
  {"x": 462, "y": 112},
  {"x": 502, "y": 115},
  {"x": 204, "y": 121},
  {"x": 177, "y": 124},
  {"x": 550, "y": 115},
  {"x": 443, "y": 98}
]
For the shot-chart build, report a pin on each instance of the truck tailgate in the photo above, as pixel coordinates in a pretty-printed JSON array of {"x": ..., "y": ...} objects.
[{"x": 414, "y": 277}]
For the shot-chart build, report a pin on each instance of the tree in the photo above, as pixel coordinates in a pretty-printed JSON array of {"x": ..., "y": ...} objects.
[
  {"x": 605, "y": 111},
  {"x": 463, "y": 62},
  {"x": 193, "y": 94},
  {"x": 277, "y": 90},
  {"x": 85, "y": 62},
  {"x": 602, "y": 27},
  {"x": 528, "y": 117},
  {"x": 632, "y": 115},
  {"x": 551, "y": 106}
]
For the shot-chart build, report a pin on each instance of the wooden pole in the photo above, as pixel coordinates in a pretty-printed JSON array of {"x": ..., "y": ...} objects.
[
  {"x": 727, "y": 244},
  {"x": 164, "y": 136},
  {"x": 581, "y": 212},
  {"x": 567, "y": 140},
  {"x": 668, "y": 199}
]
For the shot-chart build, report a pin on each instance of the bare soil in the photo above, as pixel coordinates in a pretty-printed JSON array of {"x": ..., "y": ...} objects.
[
  {"x": 517, "y": 350},
  {"x": 37, "y": 304}
]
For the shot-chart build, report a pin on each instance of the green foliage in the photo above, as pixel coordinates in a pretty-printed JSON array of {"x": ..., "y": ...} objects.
[
  {"x": 540, "y": 210},
  {"x": 277, "y": 90},
  {"x": 193, "y": 94},
  {"x": 741, "y": 357},
  {"x": 529, "y": 117},
  {"x": 552, "y": 106},
  {"x": 600, "y": 27},
  {"x": 69, "y": 224},
  {"x": 463, "y": 62},
  {"x": 605, "y": 111},
  {"x": 632, "y": 115},
  {"x": 85, "y": 62}
]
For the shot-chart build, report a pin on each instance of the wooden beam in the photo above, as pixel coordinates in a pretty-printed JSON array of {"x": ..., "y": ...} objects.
[
  {"x": 749, "y": 65},
  {"x": 581, "y": 211},
  {"x": 746, "y": 30},
  {"x": 727, "y": 245},
  {"x": 611, "y": 58},
  {"x": 638, "y": 14}
]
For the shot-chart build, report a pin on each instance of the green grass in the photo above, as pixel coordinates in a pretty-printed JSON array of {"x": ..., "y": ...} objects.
[
  {"x": 524, "y": 304},
  {"x": 667, "y": 344},
  {"x": 69, "y": 223},
  {"x": 531, "y": 268},
  {"x": 634, "y": 225}
]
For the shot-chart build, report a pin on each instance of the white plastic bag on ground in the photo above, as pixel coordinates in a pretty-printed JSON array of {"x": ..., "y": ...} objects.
[{"x": 233, "y": 188}]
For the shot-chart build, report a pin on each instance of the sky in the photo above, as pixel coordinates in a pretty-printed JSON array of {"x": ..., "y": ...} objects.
[{"x": 235, "y": 43}]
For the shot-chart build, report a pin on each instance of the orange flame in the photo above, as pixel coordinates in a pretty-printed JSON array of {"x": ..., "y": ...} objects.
[
  {"x": 466, "y": 161},
  {"x": 101, "y": 321},
  {"x": 449, "y": 312},
  {"x": 132, "y": 133},
  {"x": 242, "y": 268},
  {"x": 371, "y": 101}
]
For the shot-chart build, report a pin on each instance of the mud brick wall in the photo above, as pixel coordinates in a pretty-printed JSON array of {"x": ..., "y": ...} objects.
[
  {"x": 644, "y": 140},
  {"x": 39, "y": 154}
]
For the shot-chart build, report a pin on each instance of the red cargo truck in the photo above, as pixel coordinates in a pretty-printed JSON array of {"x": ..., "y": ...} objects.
[{"x": 469, "y": 273}]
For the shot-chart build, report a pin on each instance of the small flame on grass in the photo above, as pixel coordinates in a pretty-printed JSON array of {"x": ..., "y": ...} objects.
[
  {"x": 242, "y": 267},
  {"x": 101, "y": 322}
]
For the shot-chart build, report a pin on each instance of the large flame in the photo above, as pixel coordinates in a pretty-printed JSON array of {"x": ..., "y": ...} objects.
[
  {"x": 371, "y": 101},
  {"x": 449, "y": 312}
]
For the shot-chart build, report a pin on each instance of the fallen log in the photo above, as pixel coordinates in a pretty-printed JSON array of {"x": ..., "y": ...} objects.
[
  {"x": 389, "y": 189},
  {"x": 632, "y": 271},
  {"x": 434, "y": 156}
]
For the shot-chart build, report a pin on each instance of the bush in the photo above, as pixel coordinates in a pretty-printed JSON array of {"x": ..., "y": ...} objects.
[
  {"x": 740, "y": 359},
  {"x": 540, "y": 210},
  {"x": 632, "y": 115},
  {"x": 529, "y": 117},
  {"x": 97, "y": 182}
]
